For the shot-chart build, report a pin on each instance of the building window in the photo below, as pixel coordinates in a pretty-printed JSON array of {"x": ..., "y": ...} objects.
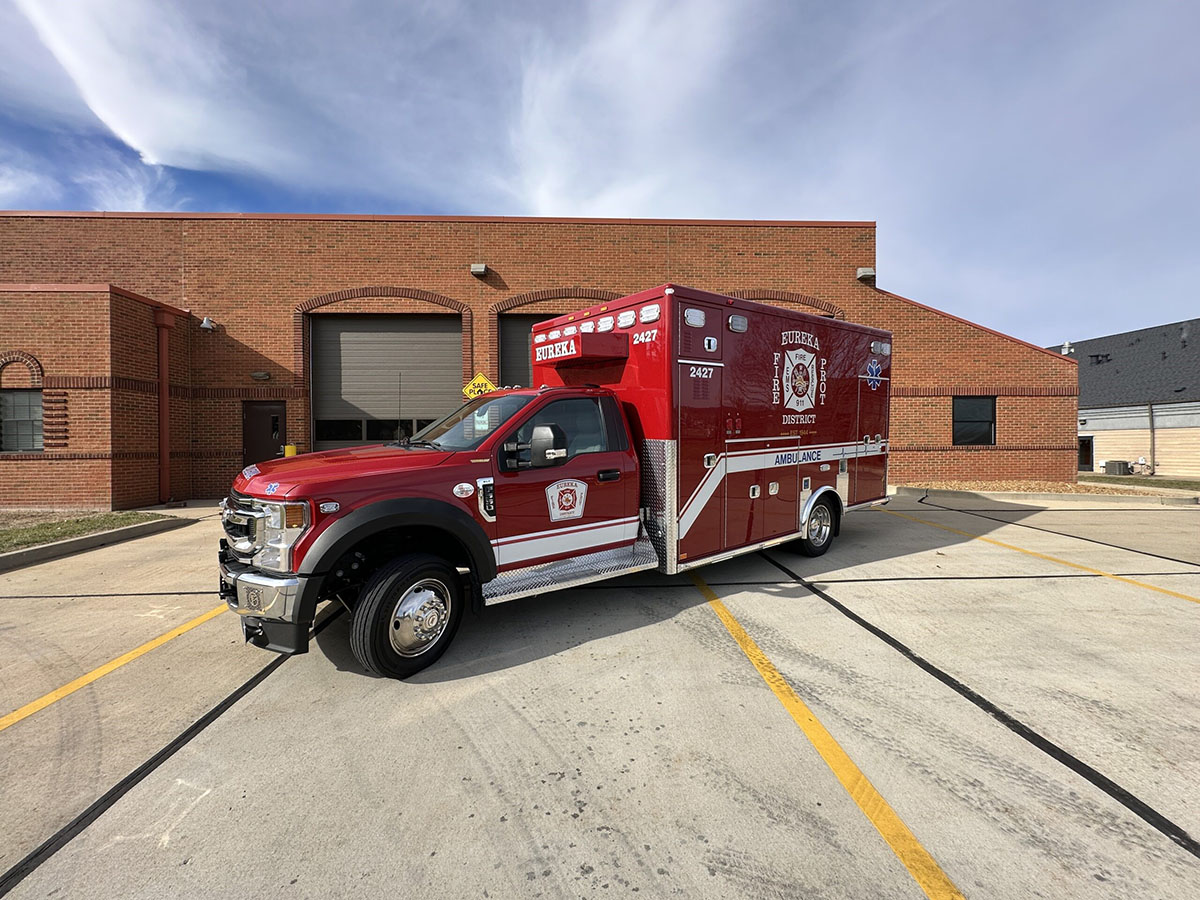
[
  {"x": 974, "y": 421},
  {"x": 20, "y": 420},
  {"x": 371, "y": 431}
]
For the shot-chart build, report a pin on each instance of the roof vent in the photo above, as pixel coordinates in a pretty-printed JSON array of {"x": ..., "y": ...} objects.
[{"x": 866, "y": 274}]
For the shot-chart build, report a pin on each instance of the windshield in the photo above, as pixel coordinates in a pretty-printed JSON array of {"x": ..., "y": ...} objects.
[{"x": 467, "y": 426}]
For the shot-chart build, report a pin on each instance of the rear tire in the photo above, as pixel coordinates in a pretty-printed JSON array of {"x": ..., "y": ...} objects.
[
  {"x": 820, "y": 529},
  {"x": 406, "y": 615}
]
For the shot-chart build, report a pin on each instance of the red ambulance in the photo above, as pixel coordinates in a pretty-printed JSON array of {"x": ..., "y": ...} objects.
[{"x": 668, "y": 429}]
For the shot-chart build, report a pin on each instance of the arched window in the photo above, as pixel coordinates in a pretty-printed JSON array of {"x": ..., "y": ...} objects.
[{"x": 20, "y": 403}]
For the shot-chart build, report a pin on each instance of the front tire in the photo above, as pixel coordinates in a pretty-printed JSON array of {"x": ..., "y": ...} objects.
[
  {"x": 406, "y": 615},
  {"x": 820, "y": 529}
]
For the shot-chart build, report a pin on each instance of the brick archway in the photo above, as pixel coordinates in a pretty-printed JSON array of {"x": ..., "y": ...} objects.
[
  {"x": 596, "y": 295},
  {"x": 772, "y": 296},
  {"x": 36, "y": 373},
  {"x": 300, "y": 329}
]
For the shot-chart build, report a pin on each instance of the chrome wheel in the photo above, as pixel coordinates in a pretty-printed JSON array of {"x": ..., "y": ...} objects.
[
  {"x": 820, "y": 525},
  {"x": 420, "y": 617}
]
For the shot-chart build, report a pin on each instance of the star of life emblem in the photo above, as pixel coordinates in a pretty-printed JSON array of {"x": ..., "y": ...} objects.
[
  {"x": 566, "y": 499},
  {"x": 874, "y": 371},
  {"x": 799, "y": 379}
]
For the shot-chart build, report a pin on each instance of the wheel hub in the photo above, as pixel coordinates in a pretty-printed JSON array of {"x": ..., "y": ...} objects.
[
  {"x": 819, "y": 525},
  {"x": 420, "y": 617}
]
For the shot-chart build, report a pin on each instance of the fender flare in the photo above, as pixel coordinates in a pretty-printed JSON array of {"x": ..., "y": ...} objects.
[
  {"x": 839, "y": 509},
  {"x": 355, "y": 526}
]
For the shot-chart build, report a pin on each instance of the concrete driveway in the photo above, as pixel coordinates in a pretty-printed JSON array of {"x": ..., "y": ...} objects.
[{"x": 996, "y": 701}]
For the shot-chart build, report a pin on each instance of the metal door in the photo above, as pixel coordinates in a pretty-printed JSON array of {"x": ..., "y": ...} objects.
[
  {"x": 587, "y": 504},
  {"x": 1086, "y": 454},
  {"x": 516, "y": 347},
  {"x": 701, "y": 460},
  {"x": 376, "y": 378},
  {"x": 870, "y": 469},
  {"x": 264, "y": 430}
]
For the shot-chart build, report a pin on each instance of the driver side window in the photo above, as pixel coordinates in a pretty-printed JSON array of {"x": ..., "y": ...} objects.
[{"x": 579, "y": 418}]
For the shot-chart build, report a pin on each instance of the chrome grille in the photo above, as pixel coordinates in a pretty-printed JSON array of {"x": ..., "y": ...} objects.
[{"x": 243, "y": 525}]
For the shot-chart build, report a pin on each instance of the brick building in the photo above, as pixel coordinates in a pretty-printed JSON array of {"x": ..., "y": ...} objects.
[{"x": 244, "y": 331}]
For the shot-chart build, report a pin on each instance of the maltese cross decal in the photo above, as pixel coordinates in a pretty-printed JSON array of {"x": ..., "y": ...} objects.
[
  {"x": 799, "y": 380},
  {"x": 565, "y": 499}
]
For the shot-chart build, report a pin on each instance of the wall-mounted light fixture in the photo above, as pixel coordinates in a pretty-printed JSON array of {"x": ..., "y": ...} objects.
[
  {"x": 479, "y": 270},
  {"x": 865, "y": 274},
  {"x": 208, "y": 324},
  {"x": 261, "y": 376}
]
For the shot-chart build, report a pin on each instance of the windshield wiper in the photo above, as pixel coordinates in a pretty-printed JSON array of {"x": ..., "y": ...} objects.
[{"x": 409, "y": 442}]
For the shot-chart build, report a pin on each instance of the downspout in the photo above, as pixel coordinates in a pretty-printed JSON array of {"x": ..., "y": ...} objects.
[
  {"x": 1153, "y": 465},
  {"x": 164, "y": 322}
]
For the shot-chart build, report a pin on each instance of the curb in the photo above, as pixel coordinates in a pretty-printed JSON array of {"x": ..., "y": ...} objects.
[
  {"x": 1018, "y": 496},
  {"x": 17, "y": 559}
]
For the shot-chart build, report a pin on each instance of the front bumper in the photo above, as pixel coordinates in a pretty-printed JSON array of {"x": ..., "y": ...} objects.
[{"x": 268, "y": 604}]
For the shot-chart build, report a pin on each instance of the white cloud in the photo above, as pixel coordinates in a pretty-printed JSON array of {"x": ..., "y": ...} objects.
[
  {"x": 1021, "y": 159},
  {"x": 359, "y": 97},
  {"x": 609, "y": 115},
  {"x": 33, "y": 86},
  {"x": 24, "y": 188},
  {"x": 117, "y": 184}
]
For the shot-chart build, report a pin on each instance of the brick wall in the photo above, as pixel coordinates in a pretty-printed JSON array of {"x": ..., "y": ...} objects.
[
  {"x": 261, "y": 279},
  {"x": 64, "y": 337},
  {"x": 96, "y": 351}
]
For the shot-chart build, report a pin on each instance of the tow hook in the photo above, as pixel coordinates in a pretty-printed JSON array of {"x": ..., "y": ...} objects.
[{"x": 253, "y": 633}]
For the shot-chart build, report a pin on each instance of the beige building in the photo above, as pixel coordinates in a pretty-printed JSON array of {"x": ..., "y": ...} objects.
[{"x": 1139, "y": 400}]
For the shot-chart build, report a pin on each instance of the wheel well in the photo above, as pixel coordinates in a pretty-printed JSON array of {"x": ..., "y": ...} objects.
[
  {"x": 354, "y": 567},
  {"x": 834, "y": 499}
]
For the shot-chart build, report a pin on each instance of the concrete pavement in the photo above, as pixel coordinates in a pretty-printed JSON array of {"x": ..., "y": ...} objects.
[{"x": 615, "y": 739}]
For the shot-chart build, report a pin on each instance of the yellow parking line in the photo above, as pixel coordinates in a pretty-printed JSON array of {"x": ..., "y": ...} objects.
[
  {"x": 84, "y": 680},
  {"x": 1053, "y": 559},
  {"x": 924, "y": 869}
]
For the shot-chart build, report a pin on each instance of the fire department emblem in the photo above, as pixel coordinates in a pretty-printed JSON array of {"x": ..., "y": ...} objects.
[
  {"x": 799, "y": 379},
  {"x": 565, "y": 499}
]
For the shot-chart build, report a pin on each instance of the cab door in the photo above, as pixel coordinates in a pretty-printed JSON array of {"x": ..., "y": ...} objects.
[{"x": 586, "y": 504}]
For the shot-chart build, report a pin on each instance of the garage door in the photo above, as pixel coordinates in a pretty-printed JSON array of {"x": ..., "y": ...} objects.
[
  {"x": 376, "y": 378},
  {"x": 516, "y": 346}
]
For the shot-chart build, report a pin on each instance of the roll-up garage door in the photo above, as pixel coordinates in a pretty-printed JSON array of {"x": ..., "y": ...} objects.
[
  {"x": 377, "y": 378},
  {"x": 516, "y": 343}
]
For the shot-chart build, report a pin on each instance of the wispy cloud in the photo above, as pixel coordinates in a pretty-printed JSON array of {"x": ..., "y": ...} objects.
[
  {"x": 21, "y": 184},
  {"x": 1030, "y": 164},
  {"x": 118, "y": 184}
]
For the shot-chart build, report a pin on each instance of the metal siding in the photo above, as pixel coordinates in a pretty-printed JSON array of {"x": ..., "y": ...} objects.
[
  {"x": 359, "y": 361},
  {"x": 516, "y": 347}
]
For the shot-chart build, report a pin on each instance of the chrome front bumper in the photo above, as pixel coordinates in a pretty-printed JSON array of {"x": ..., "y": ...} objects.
[{"x": 249, "y": 592}]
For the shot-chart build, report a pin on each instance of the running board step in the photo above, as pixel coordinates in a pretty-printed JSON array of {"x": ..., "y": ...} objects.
[{"x": 568, "y": 573}]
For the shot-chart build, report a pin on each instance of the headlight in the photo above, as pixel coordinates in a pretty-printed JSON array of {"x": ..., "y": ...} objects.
[{"x": 284, "y": 524}]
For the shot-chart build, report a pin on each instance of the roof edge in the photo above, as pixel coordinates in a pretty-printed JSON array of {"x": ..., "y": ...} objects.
[
  {"x": 1000, "y": 334},
  {"x": 94, "y": 288},
  {"x": 352, "y": 217}
]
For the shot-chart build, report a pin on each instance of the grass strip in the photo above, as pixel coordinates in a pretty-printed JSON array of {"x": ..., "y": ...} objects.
[
  {"x": 25, "y": 536},
  {"x": 1157, "y": 481}
]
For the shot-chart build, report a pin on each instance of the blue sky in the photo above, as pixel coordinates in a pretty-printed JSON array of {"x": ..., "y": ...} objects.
[{"x": 1031, "y": 165}]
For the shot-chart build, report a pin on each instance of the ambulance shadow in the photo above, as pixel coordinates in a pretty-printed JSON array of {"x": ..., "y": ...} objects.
[
  {"x": 871, "y": 543},
  {"x": 531, "y": 628}
]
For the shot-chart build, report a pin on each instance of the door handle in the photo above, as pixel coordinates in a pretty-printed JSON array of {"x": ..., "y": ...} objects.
[{"x": 608, "y": 475}]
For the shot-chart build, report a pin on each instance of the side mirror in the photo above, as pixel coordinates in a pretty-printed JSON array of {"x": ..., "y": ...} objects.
[{"x": 548, "y": 446}]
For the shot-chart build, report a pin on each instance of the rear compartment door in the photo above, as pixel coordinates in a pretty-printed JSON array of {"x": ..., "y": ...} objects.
[
  {"x": 870, "y": 469},
  {"x": 701, "y": 459}
]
